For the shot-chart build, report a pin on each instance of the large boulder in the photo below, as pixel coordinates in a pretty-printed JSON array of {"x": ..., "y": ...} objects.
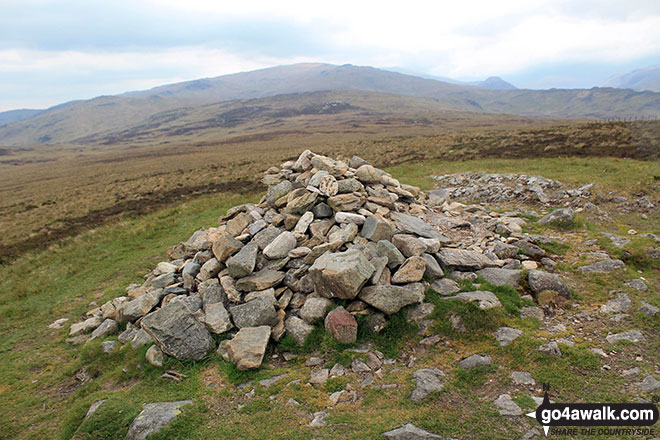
[
  {"x": 501, "y": 277},
  {"x": 178, "y": 333},
  {"x": 540, "y": 281},
  {"x": 257, "y": 312},
  {"x": 604, "y": 266},
  {"x": 246, "y": 350},
  {"x": 341, "y": 274},
  {"x": 390, "y": 299}
]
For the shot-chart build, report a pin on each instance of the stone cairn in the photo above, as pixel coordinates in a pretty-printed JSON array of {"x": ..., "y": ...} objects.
[{"x": 326, "y": 230}]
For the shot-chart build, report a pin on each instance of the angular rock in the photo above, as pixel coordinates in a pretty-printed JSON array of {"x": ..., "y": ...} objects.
[
  {"x": 562, "y": 215},
  {"x": 631, "y": 336},
  {"x": 341, "y": 325},
  {"x": 261, "y": 280},
  {"x": 225, "y": 246},
  {"x": 529, "y": 249},
  {"x": 433, "y": 269},
  {"x": 540, "y": 281},
  {"x": 463, "y": 259},
  {"x": 155, "y": 356},
  {"x": 445, "y": 286},
  {"x": 178, "y": 333},
  {"x": 649, "y": 384},
  {"x": 314, "y": 309},
  {"x": 522, "y": 378},
  {"x": 637, "y": 285},
  {"x": 428, "y": 380},
  {"x": 619, "y": 304},
  {"x": 485, "y": 300},
  {"x": 507, "y": 406},
  {"x": 376, "y": 229},
  {"x": 551, "y": 349},
  {"x": 298, "y": 328},
  {"x": 410, "y": 432},
  {"x": 107, "y": 328},
  {"x": 266, "y": 236},
  {"x": 319, "y": 376},
  {"x": 303, "y": 203},
  {"x": 409, "y": 245},
  {"x": 319, "y": 419},
  {"x": 501, "y": 277},
  {"x": 109, "y": 346},
  {"x": 258, "y": 312},
  {"x": 506, "y": 335},
  {"x": 604, "y": 266},
  {"x": 217, "y": 318},
  {"x": 341, "y": 274},
  {"x": 278, "y": 191},
  {"x": 246, "y": 349},
  {"x": 390, "y": 299},
  {"x": 475, "y": 361},
  {"x": 80, "y": 328},
  {"x": 394, "y": 256},
  {"x": 411, "y": 271},
  {"x": 648, "y": 309},
  {"x": 346, "y": 202},
  {"x": 140, "y": 338},
  {"x": 242, "y": 263},
  {"x": 153, "y": 418},
  {"x": 415, "y": 225},
  {"x": 281, "y": 246}
]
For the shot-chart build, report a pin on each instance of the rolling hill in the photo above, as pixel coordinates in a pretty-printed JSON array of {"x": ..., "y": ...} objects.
[
  {"x": 103, "y": 117},
  {"x": 647, "y": 78}
]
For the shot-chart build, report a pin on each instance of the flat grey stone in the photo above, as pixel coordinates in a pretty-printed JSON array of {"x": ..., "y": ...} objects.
[
  {"x": 485, "y": 300},
  {"x": 314, "y": 309},
  {"x": 604, "y": 266},
  {"x": 267, "y": 383},
  {"x": 631, "y": 335},
  {"x": 507, "y": 406},
  {"x": 522, "y": 378},
  {"x": 506, "y": 335},
  {"x": 298, "y": 328},
  {"x": 107, "y": 328},
  {"x": 387, "y": 249},
  {"x": 341, "y": 274},
  {"x": 637, "y": 285},
  {"x": 501, "y": 277},
  {"x": 280, "y": 246},
  {"x": 428, "y": 380},
  {"x": 390, "y": 299},
  {"x": 242, "y": 263},
  {"x": 376, "y": 229},
  {"x": 649, "y": 384},
  {"x": 463, "y": 259},
  {"x": 319, "y": 376},
  {"x": 619, "y": 304},
  {"x": 551, "y": 349},
  {"x": 260, "y": 311},
  {"x": 445, "y": 286},
  {"x": 153, "y": 418},
  {"x": 217, "y": 318},
  {"x": 540, "y": 281},
  {"x": 410, "y": 432},
  {"x": 319, "y": 419},
  {"x": 475, "y": 360},
  {"x": 247, "y": 348},
  {"x": 415, "y": 225},
  {"x": 557, "y": 216},
  {"x": 648, "y": 309},
  {"x": 261, "y": 280}
]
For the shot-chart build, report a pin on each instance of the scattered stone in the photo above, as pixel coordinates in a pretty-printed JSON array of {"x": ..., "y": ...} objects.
[
  {"x": 359, "y": 367},
  {"x": 445, "y": 286},
  {"x": 507, "y": 406},
  {"x": 107, "y": 328},
  {"x": 501, "y": 277},
  {"x": 155, "y": 356},
  {"x": 529, "y": 265},
  {"x": 563, "y": 215},
  {"x": 108, "y": 346},
  {"x": 522, "y": 378},
  {"x": 540, "y": 281},
  {"x": 463, "y": 259},
  {"x": 631, "y": 335},
  {"x": 604, "y": 266},
  {"x": 319, "y": 376},
  {"x": 617, "y": 305},
  {"x": 551, "y": 349},
  {"x": 474, "y": 361},
  {"x": 59, "y": 323},
  {"x": 428, "y": 380},
  {"x": 485, "y": 300},
  {"x": 390, "y": 299},
  {"x": 506, "y": 335},
  {"x": 637, "y": 285},
  {"x": 648, "y": 309},
  {"x": 246, "y": 349},
  {"x": 267, "y": 383},
  {"x": 410, "y": 432},
  {"x": 319, "y": 419},
  {"x": 649, "y": 384},
  {"x": 153, "y": 418},
  {"x": 298, "y": 328},
  {"x": 532, "y": 312}
]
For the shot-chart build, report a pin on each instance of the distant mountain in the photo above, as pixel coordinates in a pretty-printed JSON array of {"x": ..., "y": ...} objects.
[
  {"x": 492, "y": 82},
  {"x": 18, "y": 115},
  {"x": 647, "y": 78},
  {"x": 77, "y": 121}
]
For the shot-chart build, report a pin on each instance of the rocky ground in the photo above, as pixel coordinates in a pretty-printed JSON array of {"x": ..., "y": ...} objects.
[{"x": 345, "y": 284}]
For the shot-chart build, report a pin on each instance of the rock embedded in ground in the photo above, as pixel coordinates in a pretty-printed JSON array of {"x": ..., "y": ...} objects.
[
  {"x": 648, "y": 309},
  {"x": 178, "y": 333},
  {"x": 501, "y": 277},
  {"x": 314, "y": 309},
  {"x": 341, "y": 325},
  {"x": 153, "y": 418},
  {"x": 319, "y": 419},
  {"x": 551, "y": 349},
  {"x": 109, "y": 346},
  {"x": 341, "y": 275},
  {"x": 637, "y": 285},
  {"x": 562, "y": 215},
  {"x": 247, "y": 348},
  {"x": 390, "y": 299},
  {"x": 631, "y": 336},
  {"x": 155, "y": 356},
  {"x": 410, "y": 432},
  {"x": 540, "y": 281},
  {"x": 522, "y": 378},
  {"x": 619, "y": 304},
  {"x": 428, "y": 380},
  {"x": 484, "y": 299},
  {"x": 506, "y": 406},
  {"x": 604, "y": 266},
  {"x": 107, "y": 328},
  {"x": 298, "y": 328},
  {"x": 445, "y": 286},
  {"x": 506, "y": 335},
  {"x": 319, "y": 376},
  {"x": 474, "y": 361},
  {"x": 649, "y": 384}
]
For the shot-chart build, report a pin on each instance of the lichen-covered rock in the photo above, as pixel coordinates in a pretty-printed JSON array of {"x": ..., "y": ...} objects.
[
  {"x": 391, "y": 299},
  {"x": 341, "y": 274},
  {"x": 341, "y": 325},
  {"x": 246, "y": 350}
]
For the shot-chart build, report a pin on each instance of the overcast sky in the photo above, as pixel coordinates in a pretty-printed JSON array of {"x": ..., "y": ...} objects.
[{"x": 56, "y": 51}]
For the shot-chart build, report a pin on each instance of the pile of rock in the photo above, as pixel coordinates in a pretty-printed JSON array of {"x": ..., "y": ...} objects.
[{"x": 326, "y": 230}]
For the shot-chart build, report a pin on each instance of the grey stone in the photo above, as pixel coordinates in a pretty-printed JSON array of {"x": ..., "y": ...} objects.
[
  {"x": 209, "y": 269},
  {"x": 411, "y": 271},
  {"x": 267, "y": 383},
  {"x": 390, "y": 299},
  {"x": 503, "y": 250},
  {"x": 410, "y": 432},
  {"x": 409, "y": 245},
  {"x": 540, "y": 281},
  {"x": 319, "y": 419},
  {"x": 433, "y": 269},
  {"x": 275, "y": 192},
  {"x": 94, "y": 406},
  {"x": 394, "y": 256},
  {"x": 346, "y": 234},
  {"x": 428, "y": 380},
  {"x": 266, "y": 236},
  {"x": 255, "y": 313},
  {"x": 322, "y": 210},
  {"x": 631, "y": 335},
  {"x": 616, "y": 240},
  {"x": 246, "y": 350},
  {"x": 619, "y": 304},
  {"x": 376, "y": 229},
  {"x": 178, "y": 333},
  {"x": 341, "y": 274},
  {"x": 357, "y": 366},
  {"x": 261, "y": 280},
  {"x": 445, "y": 286},
  {"x": 368, "y": 174},
  {"x": 506, "y": 335},
  {"x": 349, "y": 217},
  {"x": 415, "y": 225},
  {"x": 314, "y": 309},
  {"x": 463, "y": 259},
  {"x": 649, "y": 384},
  {"x": 522, "y": 378},
  {"x": 349, "y": 186},
  {"x": 298, "y": 328},
  {"x": 507, "y": 406},
  {"x": 532, "y": 312},
  {"x": 604, "y": 266},
  {"x": 501, "y": 277},
  {"x": 107, "y": 328},
  {"x": 217, "y": 318},
  {"x": 637, "y": 285},
  {"x": 141, "y": 338},
  {"x": 346, "y": 202},
  {"x": 164, "y": 280},
  {"x": 108, "y": 346},
  {"x": 80, "y": 328},
  {"x": 303, "y": 223},
  {"x": 189, "y": 272},
  {"x": 529, "y": 249},
  {"x": 242, "y": 263},
  {"x": 485, "y": 300},
  {"x": 153, "y": 418},
  {"x": 280, "y": 247},
  {"x": 474, "y": 361},
  {"x": 155, "y": 356},
  {"x": 561, "y": 215},
  {"x": 319, "y": 376},
  {"x": 551, "y": 349},
  {"x": 648, "y": 309}
]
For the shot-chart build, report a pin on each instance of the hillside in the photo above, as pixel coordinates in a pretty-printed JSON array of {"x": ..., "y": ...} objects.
[
  {"x": 647, "y": 78},
  {"x": 17, "y": 115},
  {"x": 82, "y": 121}
]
